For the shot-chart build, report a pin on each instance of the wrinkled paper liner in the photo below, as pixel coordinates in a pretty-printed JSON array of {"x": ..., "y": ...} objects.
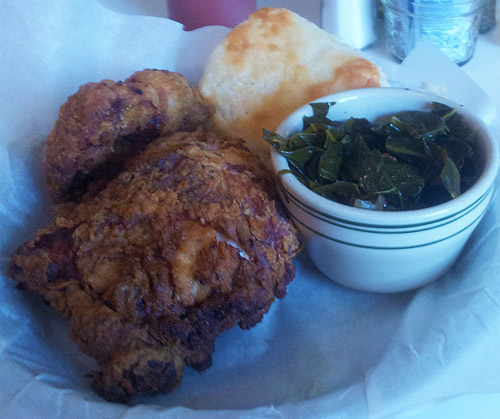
[{"x": 322, "y": 349}]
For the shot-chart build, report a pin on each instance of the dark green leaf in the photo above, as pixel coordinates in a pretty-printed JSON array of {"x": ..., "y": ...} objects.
[
  {"x": 304, "y": 139},
  {"x": 458, "y": 150},
  {"x": 302, "y": 156},
  {"x": 320, "y": 111},
  {"x": 451, "y": 178},
  {"x": 331, "y": 162},
  {"x": 399, "y": 182},
  {"x": 404, "y": 145},
  {"x": 445, "y": 111},
  {"x": 414, "y": 160},
  {"x": 333, "y": 135},
  {"x": 298, "y": 171},
  {"x": 277, "y": 141},
  {"x": 338, "y": 191},
  {"x": 360, "y": 125},
  {"x": 378, "y": 204},
  {"x": 419, "y": 124},
  {"x": 312, "y": 169},
  {"x": 459, "y": 127}
]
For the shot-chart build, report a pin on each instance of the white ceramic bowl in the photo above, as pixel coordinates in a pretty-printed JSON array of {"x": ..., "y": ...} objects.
[{"x": 385, "y": 251}]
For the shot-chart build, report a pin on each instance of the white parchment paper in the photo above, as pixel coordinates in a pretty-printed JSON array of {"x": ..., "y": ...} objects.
[{"x": 322, "y": 351}]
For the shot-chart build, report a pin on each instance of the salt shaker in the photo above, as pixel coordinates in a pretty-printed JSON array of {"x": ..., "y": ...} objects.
[{"x": 352, "y": 20}]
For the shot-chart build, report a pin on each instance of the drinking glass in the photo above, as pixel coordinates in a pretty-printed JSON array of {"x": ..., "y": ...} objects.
[{"x": 451, "y": 24}]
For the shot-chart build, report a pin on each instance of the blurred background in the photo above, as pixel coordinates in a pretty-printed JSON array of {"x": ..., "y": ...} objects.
[{"x": 310, "y": 9}]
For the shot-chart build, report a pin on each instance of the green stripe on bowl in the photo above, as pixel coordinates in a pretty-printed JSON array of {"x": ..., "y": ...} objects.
[
  {"x": 377, "y": 229},
  {"x": 387, "y": 247}
]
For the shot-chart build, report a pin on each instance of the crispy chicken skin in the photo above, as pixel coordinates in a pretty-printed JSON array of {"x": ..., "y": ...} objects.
[
  {"x": 183, "y": 244},
  {"x": 102, "y": 124}
]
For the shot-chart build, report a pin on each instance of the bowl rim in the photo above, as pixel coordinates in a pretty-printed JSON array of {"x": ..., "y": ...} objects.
[{"x": 291, "y": 186}]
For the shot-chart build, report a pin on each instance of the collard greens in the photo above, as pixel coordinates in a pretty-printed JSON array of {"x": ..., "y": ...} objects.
[{"x": 414, "y": 159}]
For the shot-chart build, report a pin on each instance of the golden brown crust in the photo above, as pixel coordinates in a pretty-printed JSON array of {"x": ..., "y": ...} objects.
[
  {"x": 272, "y": 64},
  {"x": 104, "y": 123},
  {"x": 185, "y": 243}
]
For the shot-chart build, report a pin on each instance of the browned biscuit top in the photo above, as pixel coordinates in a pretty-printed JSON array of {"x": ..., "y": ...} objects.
[{"x": 273, "y": 63}]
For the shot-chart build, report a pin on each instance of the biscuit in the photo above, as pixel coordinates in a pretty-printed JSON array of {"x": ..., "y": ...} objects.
[{"x": 273, "y": 63}]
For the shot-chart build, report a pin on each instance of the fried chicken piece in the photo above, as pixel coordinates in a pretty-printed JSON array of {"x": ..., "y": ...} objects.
[
  {"x": 104, "y": 123},
  {"x": 185, "y": 243}
]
